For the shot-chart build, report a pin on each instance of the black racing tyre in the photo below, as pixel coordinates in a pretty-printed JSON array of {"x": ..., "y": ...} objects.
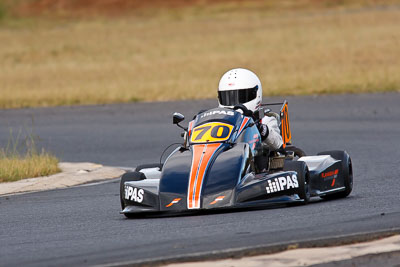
[
  {"x": 126, "y": 177},
  {"x": 347, "y": 171},
  {"x": 303, "y": 177},
  {"x": 151, "y": 165},
  {"x": 297, "y": 151}
]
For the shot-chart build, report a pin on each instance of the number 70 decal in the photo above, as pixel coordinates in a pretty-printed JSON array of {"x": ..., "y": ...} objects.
[{"x": 211, "y": 132}]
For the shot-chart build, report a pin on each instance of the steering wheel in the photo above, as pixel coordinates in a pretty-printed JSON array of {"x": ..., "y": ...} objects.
[{"x": 245, "y": 110}]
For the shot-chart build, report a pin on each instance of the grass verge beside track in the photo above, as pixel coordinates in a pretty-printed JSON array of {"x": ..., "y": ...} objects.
[
  {"x": 158, "y": 53},
  {"x": 16, "y": 165},
  {"x": 27, "y": 166}
]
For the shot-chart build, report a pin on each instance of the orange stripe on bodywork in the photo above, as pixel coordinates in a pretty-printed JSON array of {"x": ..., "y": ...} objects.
[
  {"x": 176, "y": 200},
  {"x": 202, "y": 154},
  {"x": 217, "y": 199},
  {"x": 197, "y": 153},
  {"x": 190, "y": 128},
  {"x": 244, "y": 122},
  {"x": 210, "y": 149}
]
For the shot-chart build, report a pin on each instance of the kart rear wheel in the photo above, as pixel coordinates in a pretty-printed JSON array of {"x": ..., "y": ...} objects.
[
  {"x": 298, "y": 152},
  {"x": 303, "y": 177},
  {"x": 126, "y": 177},
  {"x": 347, "y": 171}
]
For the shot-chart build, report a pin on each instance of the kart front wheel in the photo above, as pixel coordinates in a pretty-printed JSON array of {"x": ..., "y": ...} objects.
[{"x": 303, "y": 177}]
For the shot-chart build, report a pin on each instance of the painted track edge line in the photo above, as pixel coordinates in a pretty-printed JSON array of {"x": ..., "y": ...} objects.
[{"x": 262, "y": 249}]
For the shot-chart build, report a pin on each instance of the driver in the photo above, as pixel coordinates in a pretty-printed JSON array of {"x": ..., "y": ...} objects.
[{"x": 241, "y": 86}]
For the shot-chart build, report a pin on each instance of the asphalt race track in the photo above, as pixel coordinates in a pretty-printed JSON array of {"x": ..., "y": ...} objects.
[{"x": 82, "y": 225}]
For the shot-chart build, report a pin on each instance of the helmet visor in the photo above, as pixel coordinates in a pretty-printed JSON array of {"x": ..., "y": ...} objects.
[{"x": 234, "y": 97}]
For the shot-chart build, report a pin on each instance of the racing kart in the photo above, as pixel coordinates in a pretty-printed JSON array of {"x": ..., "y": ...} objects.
[{"x": 223, "y": 163}]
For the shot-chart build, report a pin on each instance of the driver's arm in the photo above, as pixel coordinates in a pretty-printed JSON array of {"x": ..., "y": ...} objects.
[{"x": 271, "y": 133}]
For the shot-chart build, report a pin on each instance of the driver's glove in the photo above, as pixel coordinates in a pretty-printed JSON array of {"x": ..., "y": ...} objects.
[{"x": 264, "y": 131}]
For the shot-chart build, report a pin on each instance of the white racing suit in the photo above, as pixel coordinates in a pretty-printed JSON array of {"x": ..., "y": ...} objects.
[{"x": 274, "y": 138}]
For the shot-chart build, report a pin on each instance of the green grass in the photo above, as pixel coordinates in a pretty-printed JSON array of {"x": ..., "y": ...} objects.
[{"x": 21, "y": 159}]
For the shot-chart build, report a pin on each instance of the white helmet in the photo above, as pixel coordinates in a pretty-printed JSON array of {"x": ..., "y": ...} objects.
[{"x": 240, "y": 86}]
